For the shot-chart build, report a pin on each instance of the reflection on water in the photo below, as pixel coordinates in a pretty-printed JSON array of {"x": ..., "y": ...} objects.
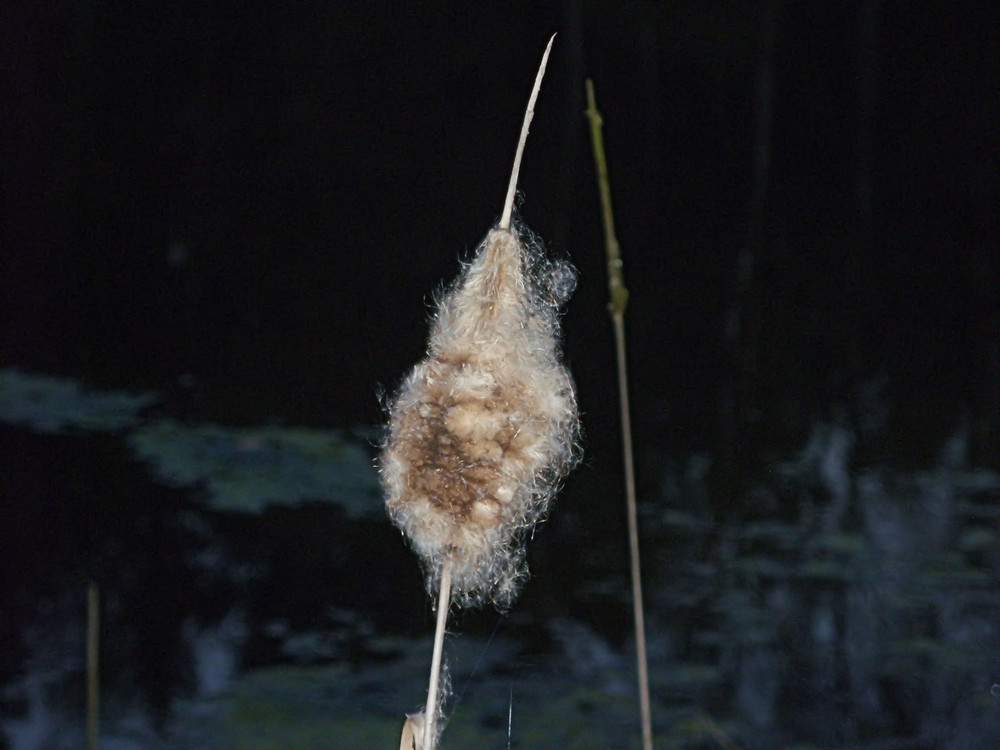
[{"x": 851, "y": 606}]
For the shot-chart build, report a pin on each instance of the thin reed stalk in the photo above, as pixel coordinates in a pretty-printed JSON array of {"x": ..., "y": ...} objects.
[
  {"x": 444, "y": 602},
  {"x": 93, "y": 665},
  {"x": 616, "y": 307}
]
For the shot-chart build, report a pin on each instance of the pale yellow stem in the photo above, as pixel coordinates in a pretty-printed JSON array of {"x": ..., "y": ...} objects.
[
  {"x": 444, "y": 602},
  {"x": 508, "y": 204}
]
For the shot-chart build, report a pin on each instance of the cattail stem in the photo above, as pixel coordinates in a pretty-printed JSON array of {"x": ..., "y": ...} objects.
[
  {"x": 93, "y": 664},
  {"x": 529, "y": 113},
  {"x": 616, "y": 306},
  {"x": 484, "y": 427},
  {"x": 444, "y": 602}
]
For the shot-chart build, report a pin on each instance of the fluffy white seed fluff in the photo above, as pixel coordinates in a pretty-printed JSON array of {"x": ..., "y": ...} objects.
[{"x": 484, "y": 428}]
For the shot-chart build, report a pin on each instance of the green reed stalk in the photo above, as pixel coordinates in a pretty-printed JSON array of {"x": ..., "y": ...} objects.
[{"x": 616, "y": 306}]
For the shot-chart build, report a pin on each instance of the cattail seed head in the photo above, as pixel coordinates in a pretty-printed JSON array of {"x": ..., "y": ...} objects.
[{"x": 484, "y": 428}]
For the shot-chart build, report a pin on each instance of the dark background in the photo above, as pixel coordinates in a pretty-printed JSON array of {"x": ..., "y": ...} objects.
[{"x": 247, "y": 208}]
